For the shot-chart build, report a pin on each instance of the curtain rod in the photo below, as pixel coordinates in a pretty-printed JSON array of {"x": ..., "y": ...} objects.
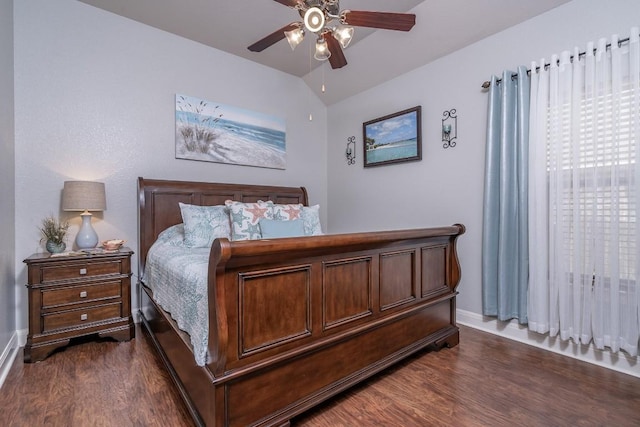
[{"x": 487, "y": 84}]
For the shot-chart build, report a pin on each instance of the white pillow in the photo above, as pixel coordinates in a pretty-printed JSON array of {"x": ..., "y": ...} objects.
[
  {"x": 173, "y": 235},
  {"x": 311, "y": 217},
  {"x": 203, "y": 224}
]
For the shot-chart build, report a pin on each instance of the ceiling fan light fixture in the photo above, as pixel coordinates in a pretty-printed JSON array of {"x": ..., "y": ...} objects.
[
  {"x": 295, "y": 37},
  {"x": 322, "y": 50},
  {"x": 344, "y": 35},
  {"x": 333, "y": 27},
  {"x": 314, "y": 19}
]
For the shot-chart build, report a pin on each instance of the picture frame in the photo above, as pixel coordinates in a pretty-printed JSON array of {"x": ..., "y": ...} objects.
[
  {"x": 214, "y": 132},
  {"x": 395, "y": 138}
]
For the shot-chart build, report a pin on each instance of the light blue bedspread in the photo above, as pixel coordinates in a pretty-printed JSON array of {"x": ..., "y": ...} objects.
[{"x": 177, "y": 275}]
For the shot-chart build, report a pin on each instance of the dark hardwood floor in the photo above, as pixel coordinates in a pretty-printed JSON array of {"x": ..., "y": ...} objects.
[{"x": 484, "y": 381}]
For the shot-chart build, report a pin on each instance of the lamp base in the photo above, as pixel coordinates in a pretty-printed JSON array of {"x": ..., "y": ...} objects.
[{"x": 87, "y": 237}]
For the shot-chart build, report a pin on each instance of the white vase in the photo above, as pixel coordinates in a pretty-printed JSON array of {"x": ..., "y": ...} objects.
[{"x": 87, "y": 237}]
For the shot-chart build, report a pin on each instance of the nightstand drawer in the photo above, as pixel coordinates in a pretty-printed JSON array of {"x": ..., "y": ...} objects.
[
  {"x": 78, "y": 294},
  {"x": 80, "y": 317},
  {"x": 79, "y": 270}
]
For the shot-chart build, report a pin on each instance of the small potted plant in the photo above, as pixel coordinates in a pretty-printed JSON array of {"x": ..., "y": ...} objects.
[{"x": 54, "y": 232}]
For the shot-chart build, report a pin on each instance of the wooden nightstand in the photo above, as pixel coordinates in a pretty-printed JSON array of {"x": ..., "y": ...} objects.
[{"x": 77, "y": 295}]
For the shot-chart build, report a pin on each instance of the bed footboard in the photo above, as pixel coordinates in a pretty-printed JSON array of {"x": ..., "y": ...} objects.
[{"x": 295, "y": 321}]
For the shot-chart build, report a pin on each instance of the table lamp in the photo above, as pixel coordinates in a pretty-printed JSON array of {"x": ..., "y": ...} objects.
[{"x": 84, "y": 196}]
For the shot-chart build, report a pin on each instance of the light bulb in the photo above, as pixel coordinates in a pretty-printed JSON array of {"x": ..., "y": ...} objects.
[
  {"x": 343, "y": 34},
  {"x": 322, "y": 50},
  {"x": 294, "y": 37}
]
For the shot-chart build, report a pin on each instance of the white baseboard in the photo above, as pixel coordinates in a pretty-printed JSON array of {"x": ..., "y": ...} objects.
[
  {"x": 620, "y": 361},
  {"x": 9, "y": 354}
]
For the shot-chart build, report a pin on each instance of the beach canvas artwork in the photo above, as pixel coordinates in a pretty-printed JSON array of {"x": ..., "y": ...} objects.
[
  {"x": 393, "y": 139},
  {"x": 213, "y": 132}
]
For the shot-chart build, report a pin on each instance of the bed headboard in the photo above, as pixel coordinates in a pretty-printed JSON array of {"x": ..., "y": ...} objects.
[{"x": 158, "y": 203}]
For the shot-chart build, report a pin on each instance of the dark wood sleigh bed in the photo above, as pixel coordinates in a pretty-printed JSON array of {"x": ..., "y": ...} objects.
[{"x": 295, "y": 321}]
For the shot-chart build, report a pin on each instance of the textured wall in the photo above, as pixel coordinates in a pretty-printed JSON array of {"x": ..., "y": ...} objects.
[
  {"x": 7, "y": 189},
  {"x": 95, "y": 100}
]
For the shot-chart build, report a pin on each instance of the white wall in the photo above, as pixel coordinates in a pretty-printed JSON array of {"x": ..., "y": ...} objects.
[
  {"x": 447, "y": 185},
  {"x": 95, "y": 101},
  {"x": 7, "y": 190}
]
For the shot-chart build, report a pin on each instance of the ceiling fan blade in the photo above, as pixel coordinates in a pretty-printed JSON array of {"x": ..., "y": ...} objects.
[
  {"x": 337, "y": 59},
  {"x": 383, "y": 20},
  {"x": 272, "y": 38},
  {"x": 290, "y": 3}
]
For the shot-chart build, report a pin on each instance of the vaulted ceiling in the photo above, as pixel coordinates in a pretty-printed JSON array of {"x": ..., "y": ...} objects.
[{"x": 374, "y": 56}]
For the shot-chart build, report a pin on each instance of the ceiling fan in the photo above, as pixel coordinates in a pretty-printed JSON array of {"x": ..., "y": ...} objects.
[{"x": 333, "y": 27}]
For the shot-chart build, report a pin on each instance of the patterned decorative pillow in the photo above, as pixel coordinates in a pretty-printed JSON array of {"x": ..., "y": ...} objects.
[
  {"x": 245, "y": 218},
  {"x": 311, "y": 217},
  {"x": 173, "y": 235},
  {"x": 202, "y": 224},
  {"x": 287, "y": 212}
]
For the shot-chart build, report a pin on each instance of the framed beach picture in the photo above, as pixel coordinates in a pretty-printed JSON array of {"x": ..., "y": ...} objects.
[
  {"x": 395, "y": 138},
  {"x": 213, "y": 132}
]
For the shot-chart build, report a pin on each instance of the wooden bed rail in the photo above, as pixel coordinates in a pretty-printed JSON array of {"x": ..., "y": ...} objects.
[{"x": 224, "y": 249}]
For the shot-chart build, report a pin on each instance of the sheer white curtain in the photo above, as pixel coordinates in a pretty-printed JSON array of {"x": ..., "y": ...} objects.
[{"x": 584, "y": 195}]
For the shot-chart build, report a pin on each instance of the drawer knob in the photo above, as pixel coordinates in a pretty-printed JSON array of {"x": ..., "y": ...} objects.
[
  {"x": 83, "y": 271},
  {"x": 83, "y": 316},
  {"x": 83, "y": 294}
]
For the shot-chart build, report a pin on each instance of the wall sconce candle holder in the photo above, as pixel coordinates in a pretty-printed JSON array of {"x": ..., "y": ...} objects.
[
  {"x": 449, "y": 128},
  {"x": 351, "y": 150}
]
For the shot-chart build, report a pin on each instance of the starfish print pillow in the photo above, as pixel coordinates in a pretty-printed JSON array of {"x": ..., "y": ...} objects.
[
  {"x": 287, "y": 212},
  {"x": 245, "y": 218}
]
